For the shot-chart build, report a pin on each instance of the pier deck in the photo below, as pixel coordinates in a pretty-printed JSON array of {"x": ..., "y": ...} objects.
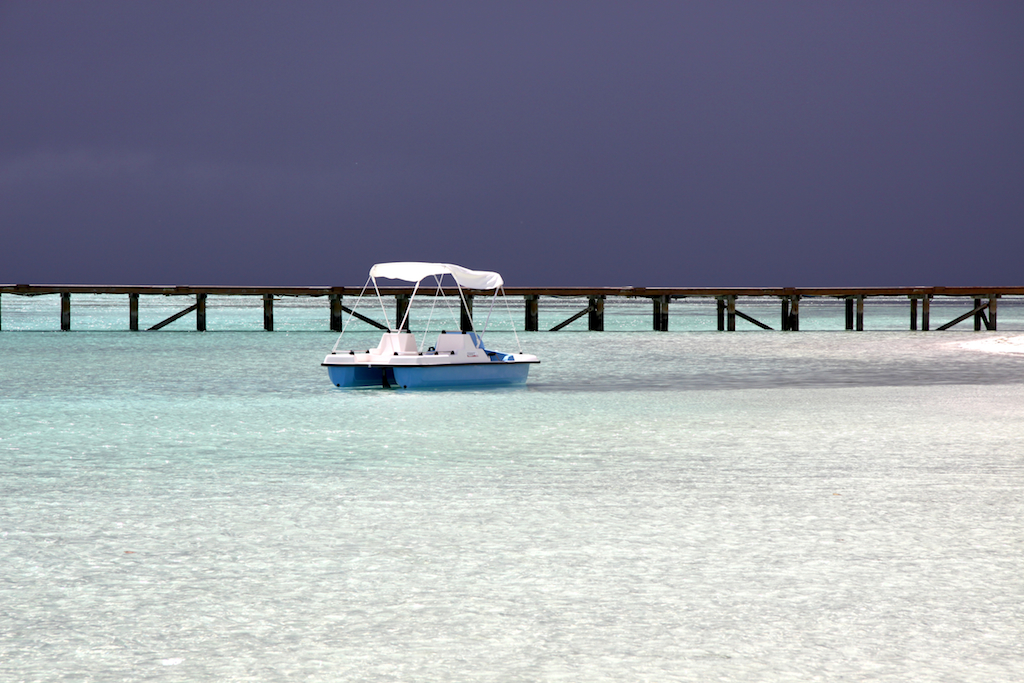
[{"x": 984, "y": 310}]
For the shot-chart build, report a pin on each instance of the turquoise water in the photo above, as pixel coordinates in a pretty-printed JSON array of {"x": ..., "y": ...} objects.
[{"x": 682, "y": 506}]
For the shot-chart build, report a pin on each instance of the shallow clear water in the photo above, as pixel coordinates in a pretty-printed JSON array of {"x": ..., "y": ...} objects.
[{"x": 688, "y": 506}]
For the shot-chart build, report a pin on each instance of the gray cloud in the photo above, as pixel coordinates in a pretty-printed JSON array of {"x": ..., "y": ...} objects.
[{"x": 569, "y": 143}]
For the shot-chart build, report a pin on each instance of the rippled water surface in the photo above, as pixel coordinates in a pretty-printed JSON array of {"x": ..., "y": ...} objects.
[{"x": 686, "y": 506}]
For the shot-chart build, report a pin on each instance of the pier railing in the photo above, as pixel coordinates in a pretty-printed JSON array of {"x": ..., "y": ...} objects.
[{"x": 984, "y": 310}]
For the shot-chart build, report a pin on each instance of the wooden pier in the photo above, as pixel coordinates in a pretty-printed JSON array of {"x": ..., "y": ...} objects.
[{"x": 728, "y": 302}]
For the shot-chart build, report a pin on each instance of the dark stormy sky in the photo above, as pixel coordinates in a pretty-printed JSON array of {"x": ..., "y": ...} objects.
[{"x": 561, "y": 143}]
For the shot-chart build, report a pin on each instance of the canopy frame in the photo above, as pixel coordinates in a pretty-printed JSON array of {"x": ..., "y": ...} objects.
[{"x": 416, "y": 272}]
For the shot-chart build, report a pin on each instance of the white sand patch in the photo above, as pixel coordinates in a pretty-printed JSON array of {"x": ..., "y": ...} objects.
[{"x": 996, "y": 345}]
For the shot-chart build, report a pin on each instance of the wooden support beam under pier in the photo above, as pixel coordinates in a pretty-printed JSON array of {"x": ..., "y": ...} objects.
[
  {"x": 784, "y": 317},
  {"x": 720, "y": 306},
  {"x": 532, "y": 306},
  {"x": 65, "y": 311},
  {"x": 794, "y": 312},
  {"x": 167, "y": 321},
  {"x": 974, "y": 312},
  {"x": 992, "y": 313},
  {"x": 730, "y": 303},
  {"x": 913, "y": 313},
  {"x": 926, "y": 308},
  {"x": 595, "y": 322},
  {"x": 849, "y": 312},
  {"x": 268, "y": 312},
  {"x": 571, "y": 319},
  {"x": 752, "y": 320},
  {"x": 133, "y": 311},
  {"x": 860, "y": 312},
  {"x": 360, "y": 316}
]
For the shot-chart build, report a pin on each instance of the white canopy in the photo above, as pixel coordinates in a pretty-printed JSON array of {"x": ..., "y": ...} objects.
[{"x": 414, "y": 271}]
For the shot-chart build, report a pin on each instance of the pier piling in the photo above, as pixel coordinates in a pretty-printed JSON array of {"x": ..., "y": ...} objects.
[
  {"x": 401, "y": 307},
  {"x": 268, "y": 312},
  {"x": 133, "y": 311},
  {"x": 913, "y": 313},
  {"x": 660, "y": 304},
  {"x": 784, "y": 318},
  {"x": 720, "y": 306},
  {"x": 860, "y": 312},
  {"x": 595, "y": 321},
  {"x": 926, "y": 308},
  {"x": 337, "y": 312},
  {"x": 992, "y": 312},
  {"x": 65, "y": 311},
  {"x": 531, "y": 304},
  {"x": 200, "y": 312},
  {"x": 849, "y": 312},
  {"x": 466, "y": 321}
]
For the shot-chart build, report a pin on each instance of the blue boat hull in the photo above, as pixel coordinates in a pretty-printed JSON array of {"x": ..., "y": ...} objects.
[
  {"x": 424, "y": 377},
  {"x": 356, "y": 376}
]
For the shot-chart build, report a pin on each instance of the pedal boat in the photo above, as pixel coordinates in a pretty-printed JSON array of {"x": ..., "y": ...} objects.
[{"x": 457, "y": 359}]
